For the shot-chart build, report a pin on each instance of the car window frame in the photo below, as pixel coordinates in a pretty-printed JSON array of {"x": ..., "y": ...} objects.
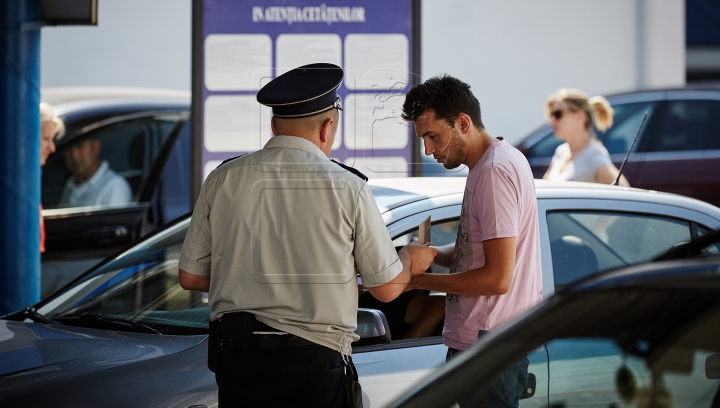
[
  {"x": 548, "y": 205},
  {"x": 80, "y": 133}
]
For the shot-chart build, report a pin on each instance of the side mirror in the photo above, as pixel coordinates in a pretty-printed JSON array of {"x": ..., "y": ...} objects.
[
  {"x": 372, "y": 327},
  {"x": 712, "y": 367}
]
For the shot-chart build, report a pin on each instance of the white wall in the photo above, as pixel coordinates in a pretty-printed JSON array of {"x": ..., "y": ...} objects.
[
  {"x": 138, "y": 43},
  {"x": 516, "y": 53}
]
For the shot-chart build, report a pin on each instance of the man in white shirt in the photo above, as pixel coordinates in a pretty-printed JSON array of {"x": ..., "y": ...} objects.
[{"x": 93, "y": 182}]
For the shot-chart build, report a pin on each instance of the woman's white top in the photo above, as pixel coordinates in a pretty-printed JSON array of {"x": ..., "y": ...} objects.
[{"x": 583, "y": 167}]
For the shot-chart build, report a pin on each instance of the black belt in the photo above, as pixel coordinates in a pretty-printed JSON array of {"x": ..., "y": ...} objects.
[{"x": 280, "y": 340}]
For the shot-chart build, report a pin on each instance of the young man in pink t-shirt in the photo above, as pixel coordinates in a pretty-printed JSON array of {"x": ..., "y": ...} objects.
[{"x": 495, "y": 269}]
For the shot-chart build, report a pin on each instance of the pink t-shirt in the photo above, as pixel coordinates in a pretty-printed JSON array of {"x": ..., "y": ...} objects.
[{"x": 499, "y": 202}]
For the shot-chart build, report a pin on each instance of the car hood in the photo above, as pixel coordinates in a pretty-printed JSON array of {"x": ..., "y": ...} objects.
[{"x": 31, "y": 352}]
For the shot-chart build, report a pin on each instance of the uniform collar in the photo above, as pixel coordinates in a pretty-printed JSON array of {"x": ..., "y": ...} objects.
[{"x": 294, "y": 142}]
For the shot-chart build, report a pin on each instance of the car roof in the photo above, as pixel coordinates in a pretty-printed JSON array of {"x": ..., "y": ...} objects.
[
  {"x": 78, "y": 115},
  {"x": 78, "y": 109},
  {"x": 64, "y": 94},
  {"x": 392, "y": 193}
]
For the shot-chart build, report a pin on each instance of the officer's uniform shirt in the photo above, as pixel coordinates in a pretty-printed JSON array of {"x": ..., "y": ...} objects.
[{"x": 281, "y": 232}]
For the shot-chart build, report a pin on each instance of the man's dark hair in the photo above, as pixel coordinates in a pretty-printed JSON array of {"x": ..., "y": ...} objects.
[{"x": 447, "y": 96}]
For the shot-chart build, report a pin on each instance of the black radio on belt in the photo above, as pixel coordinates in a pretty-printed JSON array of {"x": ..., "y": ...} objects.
[{"x": 231, "y": 329}]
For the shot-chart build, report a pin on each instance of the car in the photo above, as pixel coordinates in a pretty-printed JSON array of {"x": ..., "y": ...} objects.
[
  {"x": 146, "y": 140},
  {"x": 126, "y": 333},
  {"x": 677, "y": 150},
  {"x": 646, "y": 335}
]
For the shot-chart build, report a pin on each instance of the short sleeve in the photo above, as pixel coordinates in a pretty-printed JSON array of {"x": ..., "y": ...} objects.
[
  {"x": 195, "y": 254},
  {"x": 599, "y": 157},
  {"x": 375, "y": 256},
  {"x": 496, "y": 202}
]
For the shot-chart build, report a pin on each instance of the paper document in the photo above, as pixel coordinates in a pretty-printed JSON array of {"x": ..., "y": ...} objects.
[{"x": 424, "y": 237}]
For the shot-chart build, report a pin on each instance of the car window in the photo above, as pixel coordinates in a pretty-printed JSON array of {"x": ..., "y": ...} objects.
[
  {"x": 685, "y": 125},
  {"x": 583, "y": 243},
  {"x": 106, "y": 165},
  {"x": 682, "y": 366},
  {"x": 546, "y": 146},
  {"x": 626, "y": 121},
  {"x": 617, "y": 139},
  {"x": 442, "y": 233}
]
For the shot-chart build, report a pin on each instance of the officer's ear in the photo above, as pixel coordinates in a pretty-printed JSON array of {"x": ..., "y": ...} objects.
[
  {"x": 272, "y": 125},
  {"x": 326, "y": 130}
]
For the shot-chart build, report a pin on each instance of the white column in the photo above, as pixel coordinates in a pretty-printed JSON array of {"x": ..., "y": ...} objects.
[{"x": 661, "y": 43}]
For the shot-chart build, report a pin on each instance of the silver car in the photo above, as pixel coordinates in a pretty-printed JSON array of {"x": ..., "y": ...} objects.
[{"x": 125, "y": 333}]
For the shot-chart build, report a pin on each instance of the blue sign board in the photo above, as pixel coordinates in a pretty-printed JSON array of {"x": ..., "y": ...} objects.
[{"x": 247, "y": 43}]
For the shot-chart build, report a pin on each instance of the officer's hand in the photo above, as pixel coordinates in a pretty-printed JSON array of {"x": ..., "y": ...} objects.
[{"x": 417, "y": 257}]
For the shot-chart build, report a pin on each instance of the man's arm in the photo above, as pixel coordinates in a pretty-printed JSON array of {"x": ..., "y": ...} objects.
[
  {"x": 494, "y": 278},
  {"x": 188, "y": 281},
  {"x": 415, "y": 259}
]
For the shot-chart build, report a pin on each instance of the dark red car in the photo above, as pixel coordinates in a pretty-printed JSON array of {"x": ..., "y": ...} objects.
[{"x": 677, "y": 151}]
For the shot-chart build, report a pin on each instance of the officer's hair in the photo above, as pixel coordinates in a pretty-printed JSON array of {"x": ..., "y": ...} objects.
[
  {"x": 310, "y": 124},
  {"x": 447, "y": 96}
]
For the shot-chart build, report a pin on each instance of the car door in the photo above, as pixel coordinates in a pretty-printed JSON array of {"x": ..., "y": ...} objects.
[
  {"x": 682, "y": 147},
  {"x": 629, "y": 110},
  {"x": 386, "y": 371},
  {"x": 79, "y": 237},
  {"x": 588, "y": 236}
]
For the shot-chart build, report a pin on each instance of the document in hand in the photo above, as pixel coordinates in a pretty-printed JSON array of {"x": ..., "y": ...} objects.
[{"x": 424, "y": 237}]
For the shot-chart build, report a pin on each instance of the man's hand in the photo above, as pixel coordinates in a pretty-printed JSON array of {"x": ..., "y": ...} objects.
[{"x": 417, "y": 257}]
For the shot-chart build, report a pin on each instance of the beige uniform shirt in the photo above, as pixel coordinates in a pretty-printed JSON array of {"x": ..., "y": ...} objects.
[{"x": 282, "y": 233}]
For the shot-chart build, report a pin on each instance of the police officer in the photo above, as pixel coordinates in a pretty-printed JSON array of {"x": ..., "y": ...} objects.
[{"x": 277, "y": 238}]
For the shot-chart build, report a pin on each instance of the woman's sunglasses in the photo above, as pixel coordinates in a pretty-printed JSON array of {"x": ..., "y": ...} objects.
[{"x": 556, "y": 114}]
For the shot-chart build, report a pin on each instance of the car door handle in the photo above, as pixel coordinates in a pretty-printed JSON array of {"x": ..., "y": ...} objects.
[{"x": 106, "y": 235}]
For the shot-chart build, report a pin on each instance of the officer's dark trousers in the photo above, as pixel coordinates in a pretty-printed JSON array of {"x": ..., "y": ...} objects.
[{"x": 306, "y": 376}]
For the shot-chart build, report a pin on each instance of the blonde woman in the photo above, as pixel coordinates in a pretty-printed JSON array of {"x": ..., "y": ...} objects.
[
  {"x": 582, "y": 157},
  {"x": 51, "y": 129}
]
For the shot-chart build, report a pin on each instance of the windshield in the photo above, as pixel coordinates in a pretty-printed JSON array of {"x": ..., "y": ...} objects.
[{"x": 140, "y": 285}]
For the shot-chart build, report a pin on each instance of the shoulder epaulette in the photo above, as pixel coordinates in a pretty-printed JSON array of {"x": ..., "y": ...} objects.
[
  {"x": 231, "y": 159},
  {"x": 351, "y": 170}
]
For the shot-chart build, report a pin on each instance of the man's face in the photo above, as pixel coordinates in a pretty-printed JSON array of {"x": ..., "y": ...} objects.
[
  {"x": 442, "y": 141},
  {"x": 47, "y": 140},
  {"x": 82, "y": 158}
]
